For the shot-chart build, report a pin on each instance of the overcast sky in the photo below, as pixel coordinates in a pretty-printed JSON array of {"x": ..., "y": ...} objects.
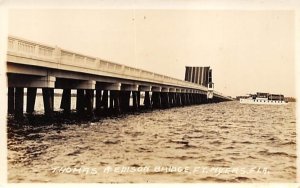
[{"x": 249, "y": 51}]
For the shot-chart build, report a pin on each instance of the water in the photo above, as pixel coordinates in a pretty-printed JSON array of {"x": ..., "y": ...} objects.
[{"x": 205, "y": 140}]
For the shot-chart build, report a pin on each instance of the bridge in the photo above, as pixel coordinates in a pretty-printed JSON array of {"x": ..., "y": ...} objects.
[{"x": 34, "y": 65}]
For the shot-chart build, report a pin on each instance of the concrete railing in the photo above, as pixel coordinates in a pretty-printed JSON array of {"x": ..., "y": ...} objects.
[{"x": 39, "y": 51}]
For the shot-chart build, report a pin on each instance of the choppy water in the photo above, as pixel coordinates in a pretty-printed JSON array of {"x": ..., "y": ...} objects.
[{"x": 214, "y": 142}]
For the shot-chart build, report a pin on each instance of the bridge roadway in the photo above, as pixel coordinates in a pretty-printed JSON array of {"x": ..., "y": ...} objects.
[{"x": 34, "y": 65}]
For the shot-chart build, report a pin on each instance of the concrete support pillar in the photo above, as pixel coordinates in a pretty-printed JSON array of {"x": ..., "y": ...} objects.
[
  {"x": 48, "y": 101},
  {"x": 80, "y": 101},
  {"x": 176, "y": 102},
  {"x": 165, "y": 103},
  {"x": 198, "y": 98},
  {"x": 179, "y": 102},
  {"x": 181, "y": 95},
  {"x": 19, "y": 102},
  {"x": 104, "y": 101},
  {"x": 124, "y": 100},
  {"x": 65, "y": 103},
  {"x": 31, "y": 96},
  {"x": 204, "y": 99},
  {"x": 138, "y": 98},
  {"x": 167, "y": 96},
  {"x": 156, "y": 100},
  {"x": 135, "y": 100},
  {"x": 192, "y": 98},
  {"x": 111, "y": 100},
  {"x": 201, "y": 101},
  {"x": 115, "y": 101},
  {"x": 89, "y": 98},
  {"x": 172, "y": 99},
  {"x": 147, "y": 101},
  {"x": 52, "y": 97},
  {"x": 188, "y": 101},
  {"x": 98, "y": 101},
  {"x": 11, "y": 100}
]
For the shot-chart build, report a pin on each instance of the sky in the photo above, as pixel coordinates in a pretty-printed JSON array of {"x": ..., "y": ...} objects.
[{"x": 248, "y": 50}]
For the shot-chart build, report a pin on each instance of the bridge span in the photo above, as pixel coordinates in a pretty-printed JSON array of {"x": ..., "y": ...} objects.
[{"x": 34, "y": 65}]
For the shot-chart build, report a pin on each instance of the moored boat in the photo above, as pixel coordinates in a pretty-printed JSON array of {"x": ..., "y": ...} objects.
[{"x": 264, "y": 98}]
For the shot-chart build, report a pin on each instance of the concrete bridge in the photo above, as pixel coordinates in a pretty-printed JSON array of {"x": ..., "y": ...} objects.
[{"x": 34, "y": 65}]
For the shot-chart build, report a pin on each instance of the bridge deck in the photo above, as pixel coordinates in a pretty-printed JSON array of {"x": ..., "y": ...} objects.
[{"x": 28, "y": 58}]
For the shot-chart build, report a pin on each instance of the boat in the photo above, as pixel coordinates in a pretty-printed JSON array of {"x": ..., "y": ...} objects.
[{"x": 264, "y": 98}]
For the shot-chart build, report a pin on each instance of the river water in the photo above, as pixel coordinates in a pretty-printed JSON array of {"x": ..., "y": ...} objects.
[{"x": 224, "y": 142}]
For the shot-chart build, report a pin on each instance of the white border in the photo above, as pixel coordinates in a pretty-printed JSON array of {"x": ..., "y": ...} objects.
[{"x": 139, "y": 4}]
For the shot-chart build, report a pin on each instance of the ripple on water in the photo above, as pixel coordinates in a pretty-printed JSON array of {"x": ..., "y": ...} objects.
[{"x": 212, "y": 135}]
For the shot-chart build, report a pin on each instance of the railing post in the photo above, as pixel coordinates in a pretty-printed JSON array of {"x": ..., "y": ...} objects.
[
  {"x": 15, "y": 45},
  {"x": 57, "y": 55},
  {"x": 36, "y": 50}
]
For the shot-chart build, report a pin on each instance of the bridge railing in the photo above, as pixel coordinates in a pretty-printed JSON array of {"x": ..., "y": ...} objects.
[{"x": 30, "y": 49}]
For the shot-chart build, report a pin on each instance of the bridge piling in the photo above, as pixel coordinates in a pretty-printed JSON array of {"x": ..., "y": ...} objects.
[
  {"x": 19, "y": 103},
  {"x": 116, "y": 106},
  {"x": 177, "y": 100},
  {"x": 196, "y": 96},
  {"x": 48, "y": 101},
  {"x": 80, "y": 102},
  {"x": 31, "y": 96},
  {"x": 98, "y": 101},
  {"x": 170, "y": 99},
  {"x": 138, "y": 99},
  {"x": 164, "y": 100},
  {"x": 89, "y": 96},
  {"x": 156, "y": 100},
  {"x": 115, "y": 102},
  {"x": 135, "y": 100},
  {"x": 182, "y": 102},
  {"x": 111, "y": 100},
  {"x": 104, "y": 101},
  {"x": 124, "y": 100},
  {"x": 11, "y": 100},
  {"x": 147, "y": 102},
  {"x": 192, "y": 98},
  {"x": 66, "y": 101}
]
